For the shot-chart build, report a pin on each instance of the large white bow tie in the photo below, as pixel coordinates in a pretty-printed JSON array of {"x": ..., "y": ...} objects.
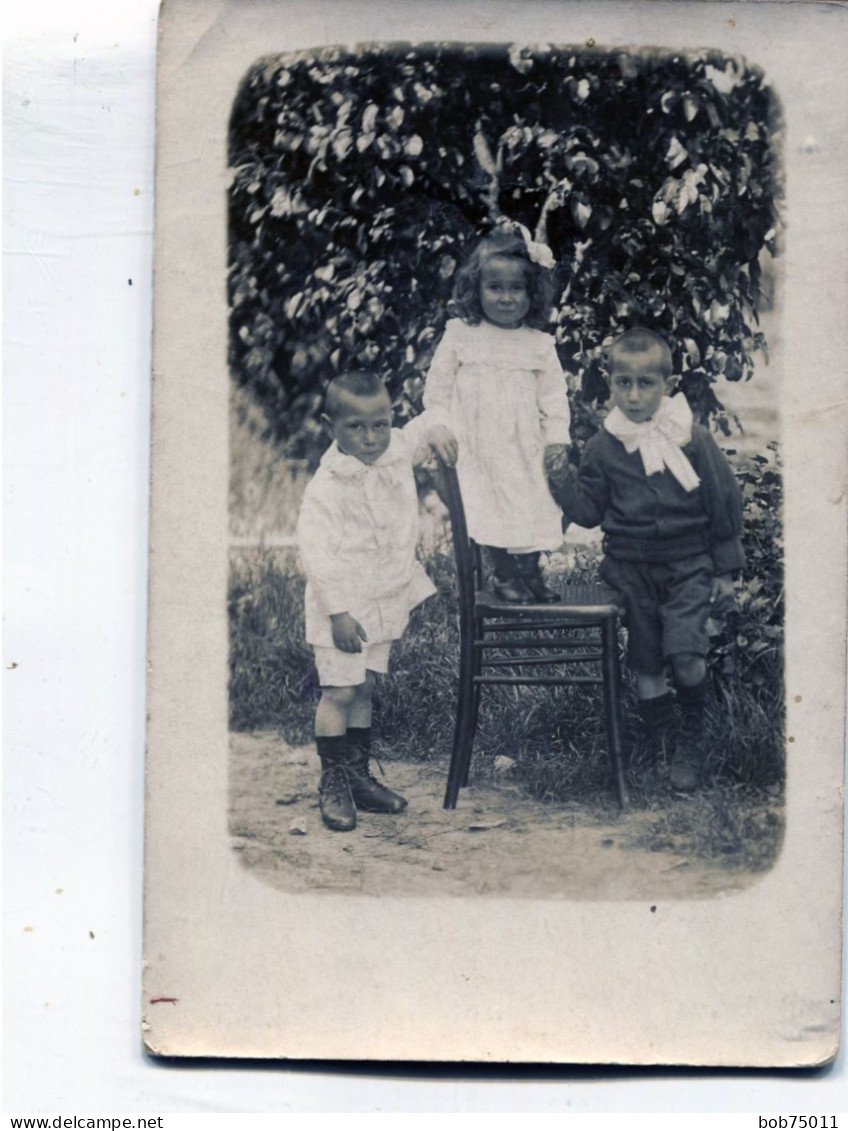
[{"x": 659, "y": 441}]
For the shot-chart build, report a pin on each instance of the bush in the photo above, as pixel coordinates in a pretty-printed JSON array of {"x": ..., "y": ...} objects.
[
  {"x": 748, "y": 646},
  {"x": 359, "y": 181}
]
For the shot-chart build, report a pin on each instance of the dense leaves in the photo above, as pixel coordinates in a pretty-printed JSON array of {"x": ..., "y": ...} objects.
[
  {"x": 360, "y": 180},
  {"x": 748, "y": 644}
]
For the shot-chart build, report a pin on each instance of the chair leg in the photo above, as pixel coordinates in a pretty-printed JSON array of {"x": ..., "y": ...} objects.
[
  {"x": 612, "y": 706},
  {"x": 477, "y": 655},
  {"x": 466, "y": 718}
]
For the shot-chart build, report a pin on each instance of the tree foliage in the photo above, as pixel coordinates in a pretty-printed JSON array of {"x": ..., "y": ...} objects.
[
  {"x": 748, "y": 644},
  {"x": 361, "y": 179}
]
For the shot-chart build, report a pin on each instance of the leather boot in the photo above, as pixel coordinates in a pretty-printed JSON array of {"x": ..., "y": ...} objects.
[
  {"x": 527, "y": 568},
  {"x": 506, "y": 583},
  {"x": 369, "y": 794},
  {"x": 688, "y": 750},
  {"x": 335, "y": 796},
  {"x": 657, "y": 725}
]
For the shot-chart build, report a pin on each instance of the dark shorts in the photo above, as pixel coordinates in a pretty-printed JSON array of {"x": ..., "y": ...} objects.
[{"x": 667, "y": 608}]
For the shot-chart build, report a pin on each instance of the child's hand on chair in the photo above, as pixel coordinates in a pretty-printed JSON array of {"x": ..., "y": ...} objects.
[{"x": 443, "y": 442}]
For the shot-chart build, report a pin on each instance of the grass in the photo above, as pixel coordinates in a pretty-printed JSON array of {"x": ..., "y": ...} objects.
[
  {"x": 725, "y": 823},
  {"x": 272, "y": 680},
  {"x": 555, "y": 737}
]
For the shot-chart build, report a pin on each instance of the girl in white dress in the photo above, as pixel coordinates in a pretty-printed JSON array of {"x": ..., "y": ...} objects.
[{"x": 496, "y": 383}]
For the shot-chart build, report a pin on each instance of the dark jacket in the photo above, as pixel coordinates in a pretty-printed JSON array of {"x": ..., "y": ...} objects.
[{"x": 651, "y": 518}]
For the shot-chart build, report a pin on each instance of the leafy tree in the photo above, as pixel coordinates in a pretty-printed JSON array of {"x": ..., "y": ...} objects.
[{"x": 360, "y": 180}]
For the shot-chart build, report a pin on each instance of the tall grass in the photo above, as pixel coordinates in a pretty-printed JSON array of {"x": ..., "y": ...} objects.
[
  {"x": 272, "y": 681},
  {"x": 555, "y": 736}
]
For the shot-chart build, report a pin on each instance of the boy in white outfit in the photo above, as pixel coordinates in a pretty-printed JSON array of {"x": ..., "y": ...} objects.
[{"x": 357, "y": 533}]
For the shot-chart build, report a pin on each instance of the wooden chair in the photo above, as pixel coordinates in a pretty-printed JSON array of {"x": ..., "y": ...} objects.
[{"x": 487, "y": 623}]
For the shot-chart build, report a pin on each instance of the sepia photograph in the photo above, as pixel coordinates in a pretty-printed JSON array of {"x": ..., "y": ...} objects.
[
  {"x": 497, "y": 607},
  {"x": 504, "y": 250}
]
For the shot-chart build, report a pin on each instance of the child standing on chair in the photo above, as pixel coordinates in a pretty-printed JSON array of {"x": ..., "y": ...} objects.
[
  {"x": 357, "y": 532},
  {"x": 497, "y": 385},
  {"x": 671, "y": 513}
]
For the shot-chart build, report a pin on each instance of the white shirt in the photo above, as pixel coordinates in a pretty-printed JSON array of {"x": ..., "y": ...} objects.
[
  {"x": 357, "y": 533},
  {"x": 503, "y": 394}
]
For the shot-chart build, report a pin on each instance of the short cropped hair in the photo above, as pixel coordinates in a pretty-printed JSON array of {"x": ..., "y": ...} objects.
[
  {"x": 356, "y": 383},
  {"x": 639, "y": 340},
  {"x": 502, "y": 244}
]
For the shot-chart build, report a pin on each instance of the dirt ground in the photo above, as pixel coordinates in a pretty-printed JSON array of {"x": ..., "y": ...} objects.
[{"x": 496, "y": 842}]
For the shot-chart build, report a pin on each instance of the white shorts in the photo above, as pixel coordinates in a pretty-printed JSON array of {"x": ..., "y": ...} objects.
[{"x": 348, "y": 669}]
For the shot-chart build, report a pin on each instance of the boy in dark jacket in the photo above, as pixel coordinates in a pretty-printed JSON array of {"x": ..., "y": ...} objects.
[{"x": 671, "y": 513}]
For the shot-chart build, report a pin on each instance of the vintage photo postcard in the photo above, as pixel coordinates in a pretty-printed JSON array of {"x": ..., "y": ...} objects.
[{"x": 498, "y": 549}]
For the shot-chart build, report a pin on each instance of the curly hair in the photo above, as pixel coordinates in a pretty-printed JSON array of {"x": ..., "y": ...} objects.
[{"x": 503, "y": 245}]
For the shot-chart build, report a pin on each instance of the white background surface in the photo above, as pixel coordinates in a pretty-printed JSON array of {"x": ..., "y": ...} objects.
[{"x": 78, "y": 148}]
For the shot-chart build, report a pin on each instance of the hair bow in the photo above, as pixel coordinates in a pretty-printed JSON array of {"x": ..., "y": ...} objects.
[{"x": 539, "y": 252}]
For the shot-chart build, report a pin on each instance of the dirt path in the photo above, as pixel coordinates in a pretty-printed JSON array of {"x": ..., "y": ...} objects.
[{"x": 496, "y": 842}]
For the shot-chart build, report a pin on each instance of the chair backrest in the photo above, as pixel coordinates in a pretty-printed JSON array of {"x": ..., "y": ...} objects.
[{"x": 466, "y": 553}]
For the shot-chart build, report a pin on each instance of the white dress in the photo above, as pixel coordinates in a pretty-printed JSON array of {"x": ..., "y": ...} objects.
[{"x": 503, "y": 394}]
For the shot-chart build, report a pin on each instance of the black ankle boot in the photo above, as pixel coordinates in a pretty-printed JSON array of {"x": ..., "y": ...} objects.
[
  {"x": 506, "y": 583},
  {"x": 528, "y": 569},
  {"x": 657, "y": 724},
  {"x": 368, "y": 793},
  {"x": 689, "y": 748},
  {"x": 335, "y": 797}
]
